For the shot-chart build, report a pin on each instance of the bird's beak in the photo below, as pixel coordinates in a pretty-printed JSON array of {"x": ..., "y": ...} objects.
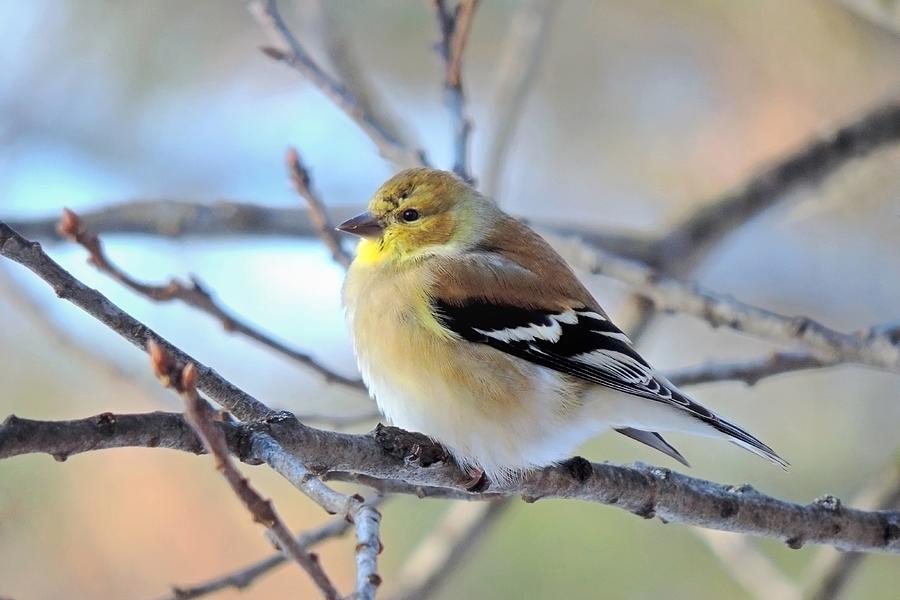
[{"x": 364, "y": 225}]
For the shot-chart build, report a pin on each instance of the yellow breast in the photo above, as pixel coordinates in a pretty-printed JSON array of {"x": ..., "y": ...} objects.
[{"x": 413, "y": 365}]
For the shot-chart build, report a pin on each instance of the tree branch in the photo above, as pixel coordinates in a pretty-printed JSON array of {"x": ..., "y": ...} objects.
[
  {"x": 293, "y": 54},
  {"x": 837, "y": 574},
  {"x": 385, "y": 455},
  {"x": 194, "y": 294},
  {"x": 200, "y": 416},
  {"x": 454, "y": 26},
  {"x": 246, "y": 576},
  {"x": 32, "y": 256},
  {"x": 668, "y": 294},
  {"x": 750, "y": 371},
  {"x": 227, "y": 218},
  {"x": 317, "y": 211},
  {"x": 264, "y": 448},
  {"x": 686, "y": 243}
]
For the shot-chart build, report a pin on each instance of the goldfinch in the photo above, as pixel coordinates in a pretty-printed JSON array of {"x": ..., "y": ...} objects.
[{"x": 468, "y": 327}]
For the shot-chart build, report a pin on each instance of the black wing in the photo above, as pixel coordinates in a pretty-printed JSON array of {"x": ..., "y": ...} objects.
[{"x": 582, "y": 343}]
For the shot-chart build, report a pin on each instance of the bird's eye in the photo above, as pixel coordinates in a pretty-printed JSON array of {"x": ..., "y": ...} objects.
[{"x": 409, "y": 215}]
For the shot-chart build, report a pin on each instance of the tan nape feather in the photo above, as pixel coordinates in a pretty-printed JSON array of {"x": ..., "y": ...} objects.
[{"x": 515, "y": 266}]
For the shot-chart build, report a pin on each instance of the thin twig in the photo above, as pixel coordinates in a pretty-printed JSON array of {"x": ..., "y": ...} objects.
[
  {"x": 200, "y": 416},
  {"x": 293, "y": 54},
  {"x": 338, "y": 48},
  {"x": 669, "y": 294},
  {"x": 31, "y": 255},
  {"x": 365, "y": 516},
  {"x": 680, "y": 250},
  {"x": 750, "y": 371},
  {"x": 317, "y": 211},
  {"x": 834, "y": 572},
  {"x": 776, "y": 363},
  {"x": 514, "y": 76},
  {"x": 246, "y": 576},
  {"x": 194, "y": 294},
  {"x": 455, "y": 25}
]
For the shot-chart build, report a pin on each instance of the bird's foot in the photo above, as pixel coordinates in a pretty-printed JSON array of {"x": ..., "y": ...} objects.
[{"x": 413, "y": 448}]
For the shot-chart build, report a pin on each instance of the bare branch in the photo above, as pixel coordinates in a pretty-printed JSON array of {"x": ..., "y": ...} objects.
[
  {"x": 690, "y": 240},
  {"x": 834, "y": 576},
  {"x": 436, "y": 556},
  {"x": 317, "y": 211},
  {"x": 31, "y": 255},
  {"x": 776, "y": 363},
  {"x": 514, "y": 76},
  {"x": 246, "y": 576},
  {"x": 718, "y": 310},
  {"x": 226, "y": 218},
  {"x": 293, "y": 54},
  {"x": 339, "y": 50},
  {"x": 193, "y": 294},
  {"x": 365, "y": 517},
  {"x": 454, "y": 26},
  {"x": 201, "y": 418},
  {"x": 749, "y": 372},
  {"x": 180, "y": 219},
  {"x": 687, "y": 242},
  {"x": 385, "y": 455},
  {"x": 368, "y": 547},
  {"x": 264, "y": 448}
]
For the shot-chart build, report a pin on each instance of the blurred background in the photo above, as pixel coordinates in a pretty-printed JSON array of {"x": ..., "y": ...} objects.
[{"x": 640, "y": 112}]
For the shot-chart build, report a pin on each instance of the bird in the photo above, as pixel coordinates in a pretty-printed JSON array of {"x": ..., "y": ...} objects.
[{"x": 468, "y": 327}]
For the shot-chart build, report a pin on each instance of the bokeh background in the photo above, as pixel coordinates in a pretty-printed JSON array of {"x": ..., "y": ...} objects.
[{"x": 640, "y": 112}]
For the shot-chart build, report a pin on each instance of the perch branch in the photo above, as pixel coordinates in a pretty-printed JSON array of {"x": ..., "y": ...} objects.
[
  {"x": 384, "y": 454},
  {"x": 201, "y": 418},
  {"x": 642, "y": 490},
  {"x": 293, "y": 54},
  {"x": 264, "y": 448},
  {"x": 193, "y": 294}
]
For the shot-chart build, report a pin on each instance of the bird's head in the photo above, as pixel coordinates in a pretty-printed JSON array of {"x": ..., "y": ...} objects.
[{"x": 418, "y": 213}]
